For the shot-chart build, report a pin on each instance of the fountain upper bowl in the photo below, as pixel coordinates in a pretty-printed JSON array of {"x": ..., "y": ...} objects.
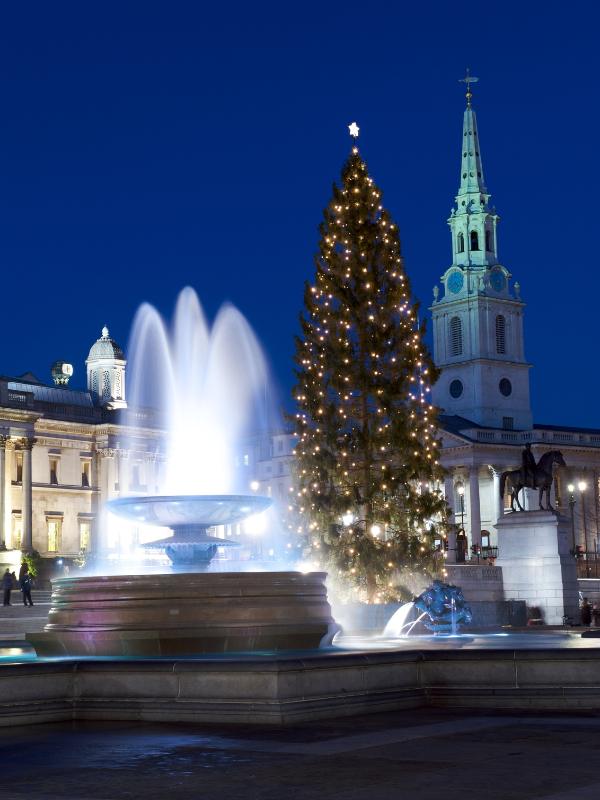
[{"x": 172, "y": 511}]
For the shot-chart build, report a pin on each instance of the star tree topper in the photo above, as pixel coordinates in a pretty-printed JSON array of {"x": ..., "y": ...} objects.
[{"x": 354, "y": 129}]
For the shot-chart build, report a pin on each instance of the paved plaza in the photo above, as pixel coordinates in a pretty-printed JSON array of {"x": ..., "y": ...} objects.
[{"x": 426, "y": 755}]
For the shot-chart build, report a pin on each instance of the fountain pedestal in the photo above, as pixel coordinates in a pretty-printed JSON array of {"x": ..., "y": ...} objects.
[
  {"x": 537, "y": 565},
  {"x": 186, "y": 614}
]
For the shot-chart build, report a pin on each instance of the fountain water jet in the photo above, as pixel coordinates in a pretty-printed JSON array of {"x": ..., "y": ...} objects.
[{"x": 212, "y": 387}]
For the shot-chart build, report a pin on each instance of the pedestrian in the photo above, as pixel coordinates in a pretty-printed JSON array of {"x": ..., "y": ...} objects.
[
  {"x": 25, "y": 584},
  {"x": 586, "y": 612},
  {"x": 7, "y": 585}
]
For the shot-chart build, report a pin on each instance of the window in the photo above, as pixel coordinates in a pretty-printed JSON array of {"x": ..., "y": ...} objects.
[
  {"x": 54, "y": 471},
  {"x": 85, "y": 536},
  {"x": 280, "y": 446},
  {"x": 135, "y": 476},
  {"x": 505, "y": 387},
  {"x": 19, "y": 468},
  {"x": 485, "y": 538},
  {"x": 500, "y": 334},
  {"x": 508, "y": 423},
  {"x": 53, "y": 529},
  {"x": 246, "y": 459},
  {"x": 460, "y": 243},
  {"x": 456, "y": 388},
  {"x": 85, "y": 473},
  {"x": 17, "y": 532},
  {"x": 488, "y": 241},
  {"x": 456, "y": 343},
  {"x": 474, "y": 240}
]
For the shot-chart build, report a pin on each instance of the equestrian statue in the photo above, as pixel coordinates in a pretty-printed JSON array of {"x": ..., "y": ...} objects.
[{"x": 531, "y": 476}]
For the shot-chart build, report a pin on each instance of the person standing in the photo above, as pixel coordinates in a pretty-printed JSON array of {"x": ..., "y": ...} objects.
[
  {"x": 25, "y": 583},
  {"x": 7, "y": 585},
  {"x": 586, "y": 612}
]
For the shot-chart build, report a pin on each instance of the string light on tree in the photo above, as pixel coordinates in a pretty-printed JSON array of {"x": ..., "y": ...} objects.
[{"x": 367, "y": 461}]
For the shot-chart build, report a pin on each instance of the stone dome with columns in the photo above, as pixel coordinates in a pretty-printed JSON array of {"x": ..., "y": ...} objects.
[
  {"x": 106, "y": 372},
  {"x": 106, "y": 347}
]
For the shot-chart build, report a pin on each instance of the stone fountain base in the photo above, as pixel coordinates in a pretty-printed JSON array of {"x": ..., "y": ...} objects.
[{"x": 186, "y": 614}]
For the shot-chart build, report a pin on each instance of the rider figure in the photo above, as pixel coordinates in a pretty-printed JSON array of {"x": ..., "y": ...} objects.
[{"x": 528, "y": 467}]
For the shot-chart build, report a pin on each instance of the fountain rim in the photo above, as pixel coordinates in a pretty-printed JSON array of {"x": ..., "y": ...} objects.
[{"x": 129, "y": 507}]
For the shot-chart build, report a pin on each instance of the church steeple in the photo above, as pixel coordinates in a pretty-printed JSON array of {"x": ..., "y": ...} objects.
[
  {"x": 478, "y": 320},
  {"x": 472, "y": 221}
]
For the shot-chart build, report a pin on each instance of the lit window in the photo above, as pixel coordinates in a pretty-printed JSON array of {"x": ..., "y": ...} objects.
[
  {"x": 85, "y": 536},
  {"x": 456, "y": 342},
  {"x": 54, "y": 471},
  {"x": 53, "y": 527},
  {"x": 17, "y": 532},
  {"x": 85, "y": 473},
  {"x": 19, "y": 468},
  {"x": 246, "y": 459}
]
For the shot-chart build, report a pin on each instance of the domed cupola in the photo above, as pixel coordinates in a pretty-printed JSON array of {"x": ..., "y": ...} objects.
[{"x": 106, "y": 372}]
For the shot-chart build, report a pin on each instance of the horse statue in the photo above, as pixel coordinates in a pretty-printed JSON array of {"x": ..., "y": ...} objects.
[{"x": 541, "y": 479}]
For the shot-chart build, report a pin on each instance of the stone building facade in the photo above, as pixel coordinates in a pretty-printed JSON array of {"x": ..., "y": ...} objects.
[
  {"x": 483, "y": 389},
  {"x": 64, "y": 453}
]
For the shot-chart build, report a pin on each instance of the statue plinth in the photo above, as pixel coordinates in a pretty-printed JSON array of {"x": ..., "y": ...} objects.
[{"x": 537, "y": 565}]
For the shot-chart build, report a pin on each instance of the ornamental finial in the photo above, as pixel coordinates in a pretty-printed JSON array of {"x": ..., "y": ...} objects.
[
  {"x": 468, "y": 79},
  {"x": 105, "y": 332}
]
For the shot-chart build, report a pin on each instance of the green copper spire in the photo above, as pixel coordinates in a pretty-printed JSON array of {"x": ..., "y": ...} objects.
[
  {"x": 471, "y": 177},
  {"x": 472, "y": 221}
]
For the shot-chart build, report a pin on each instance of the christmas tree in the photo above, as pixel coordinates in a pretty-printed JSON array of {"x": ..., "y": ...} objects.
[{"x": 367, "y": 463}]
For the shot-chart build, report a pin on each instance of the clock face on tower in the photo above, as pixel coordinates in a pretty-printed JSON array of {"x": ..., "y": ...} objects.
[
  {"x": 497, "y": 280},
  {"x": 455, "y": 281}
]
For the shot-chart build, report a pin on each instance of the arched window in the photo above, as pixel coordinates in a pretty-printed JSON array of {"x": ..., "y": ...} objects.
[
  {"x": 488, "y": 241},
  {"x": 500, "y": 334},
  {"x": 460, "y": 243},
  {"x": 474, "y": 240},
  {"x": 456, "y": 342}
]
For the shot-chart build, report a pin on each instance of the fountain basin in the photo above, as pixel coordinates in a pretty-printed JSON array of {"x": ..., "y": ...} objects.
[
  {"x": 190, "y": 547},
  {"x": 202, "y": 511},
  {"x": 186, "y": 614}
]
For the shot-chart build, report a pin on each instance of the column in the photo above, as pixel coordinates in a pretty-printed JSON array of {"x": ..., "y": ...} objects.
[
  {"x": 474, "y": 509},
  {"x": 107, "y": 489},
  {"x": 27, "y": 504},
  {"x": 3, "y": 440},
  {"x": 497, "y": 501},
  {"x": 449, "y": 494}
]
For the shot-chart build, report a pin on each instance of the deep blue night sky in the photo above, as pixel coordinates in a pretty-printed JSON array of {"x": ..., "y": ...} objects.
[{"x": 148, "y": 146}]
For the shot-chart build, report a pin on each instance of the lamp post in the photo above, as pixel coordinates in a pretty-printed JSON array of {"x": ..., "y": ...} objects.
[
  {"x": 582, "y": 486},
  {"x": 461, "y": 493},
  {"x": 571, "y": 490}
]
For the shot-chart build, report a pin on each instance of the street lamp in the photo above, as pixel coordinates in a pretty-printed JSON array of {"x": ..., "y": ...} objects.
[
  {"x": 460, "y": 553},
  {"x": 461, "y": 494},
  {"x": 582, "y": 486},
  {"x": 571, "y": 490}
]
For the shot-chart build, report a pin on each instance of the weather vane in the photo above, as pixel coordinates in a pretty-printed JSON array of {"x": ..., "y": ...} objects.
[
  {"x": 469, "y": 79},
  {"x": 354, "y": 129}
]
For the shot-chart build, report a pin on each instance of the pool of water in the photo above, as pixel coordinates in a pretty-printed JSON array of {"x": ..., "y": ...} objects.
[{"x": 16, "y": 651}]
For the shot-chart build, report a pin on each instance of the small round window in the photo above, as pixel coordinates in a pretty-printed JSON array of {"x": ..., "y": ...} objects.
[
  {"x": 505, "y": 387},
  {"x": 456, "y": 388}
]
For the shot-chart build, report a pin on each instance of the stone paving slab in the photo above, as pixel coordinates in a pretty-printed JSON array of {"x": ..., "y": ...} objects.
[{"x": 425, "y": 755}]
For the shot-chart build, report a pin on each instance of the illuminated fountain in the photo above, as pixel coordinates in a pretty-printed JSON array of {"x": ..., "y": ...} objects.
[{"x": 212, "y": 389}]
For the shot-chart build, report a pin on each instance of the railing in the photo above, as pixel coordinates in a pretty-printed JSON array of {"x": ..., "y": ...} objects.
[{"x": 588, "y": 564}]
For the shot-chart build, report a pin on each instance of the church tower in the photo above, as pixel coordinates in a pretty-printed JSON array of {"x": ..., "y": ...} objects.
[
  {"x": 478, "y": 320},
  {"x": 106, "y": 372}
]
